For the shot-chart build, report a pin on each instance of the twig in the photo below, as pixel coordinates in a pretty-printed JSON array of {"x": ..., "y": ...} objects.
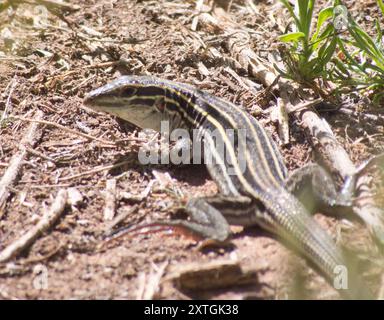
[
  {"x": 110, "y": 199},
  {"x": 195, "y": 20},
  {"x": 57, "y": 7},
  {"x": 282, "y": 118},
  {"x": 47, "y": 186},
  {"x": 148, "y": 286},
  {"x": 130, "y": 197},
  {"x": 242, "y": 82},
  {"x": 40, "y": 155},
  {"x": 77, "y": 70},
  {"x": 365, "y": 116},
  {"x": 8, "y": 102},
  {"x": 120, "y": 218},
  {"x": 59, "y": 126},
  {"x": 13, "y": 171},
  {"x": 137, "y": 197},
  {"x": 305, "y": 105},
  {"x": 43, "y": 225},
  {"x": 108, "y": 167},
  {"x": 82, "y": 83},
  {"x": 45, "y": 257},
  {"x": 53, "y": 4},
  {"x": 252, "y": 7}
]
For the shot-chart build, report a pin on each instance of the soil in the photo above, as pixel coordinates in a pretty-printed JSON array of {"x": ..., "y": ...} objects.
[{"x": 49, "y": 61}]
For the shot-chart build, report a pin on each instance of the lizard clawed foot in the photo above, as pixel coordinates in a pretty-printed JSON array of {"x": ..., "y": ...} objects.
[{"x": 350, "y": 184}]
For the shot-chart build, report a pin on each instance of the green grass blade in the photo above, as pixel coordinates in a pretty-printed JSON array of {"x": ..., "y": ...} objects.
[
  {"x": 349, "y": 58},
  {"x": 379, "y": 38},
  {"x": 292, "y": 13},
  {"x": 380, "y": 3},
  {"x": 365, "y": 43},
  {"x": 324, "y": 15},
  {"x": 328, "y": 52},
  {"x": 292, "y": 37}
]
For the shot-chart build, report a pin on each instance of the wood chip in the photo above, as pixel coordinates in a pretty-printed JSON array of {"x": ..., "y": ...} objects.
[{"x": 212, "y": 275}]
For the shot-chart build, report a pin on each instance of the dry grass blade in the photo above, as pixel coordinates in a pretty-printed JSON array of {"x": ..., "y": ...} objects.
[
  {"x": 102, "y": 168},
  {"x": 64, "y": 128}
]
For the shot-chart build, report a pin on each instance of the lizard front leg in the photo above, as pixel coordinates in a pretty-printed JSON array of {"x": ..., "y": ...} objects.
[
  {"x": 315, "y": 188},
  {"x": 209, "y": 217}
]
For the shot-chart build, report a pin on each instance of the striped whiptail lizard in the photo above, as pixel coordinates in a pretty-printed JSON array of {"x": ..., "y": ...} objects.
[{"x": 256, "y": 190}]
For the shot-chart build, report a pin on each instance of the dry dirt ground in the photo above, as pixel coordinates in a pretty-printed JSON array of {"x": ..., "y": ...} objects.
[{"x": 48, "y": 61}]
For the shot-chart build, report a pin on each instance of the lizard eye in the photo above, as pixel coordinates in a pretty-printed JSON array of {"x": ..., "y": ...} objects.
[{"x": 129, "y": 91}]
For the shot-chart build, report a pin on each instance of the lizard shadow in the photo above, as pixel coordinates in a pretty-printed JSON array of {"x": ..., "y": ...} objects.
[{"x": 192, "y": 174}]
